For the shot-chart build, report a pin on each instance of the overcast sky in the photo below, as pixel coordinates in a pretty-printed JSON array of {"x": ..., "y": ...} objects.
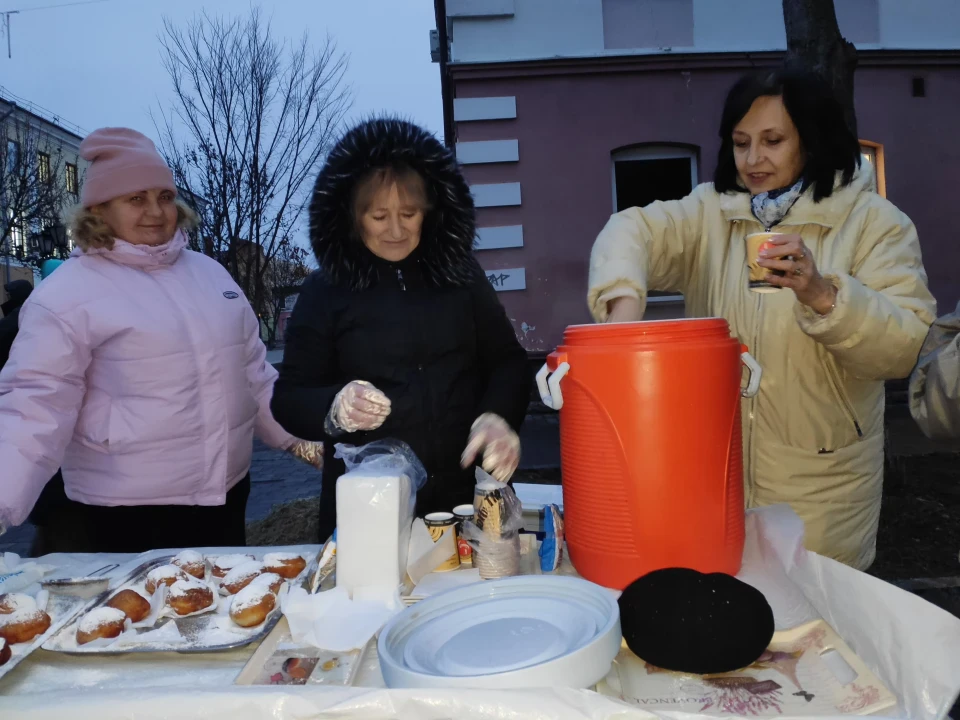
[{"x": 99, "y": 64}]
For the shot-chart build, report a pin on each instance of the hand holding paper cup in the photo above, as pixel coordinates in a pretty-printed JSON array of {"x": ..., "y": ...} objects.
[
  {"x": 756, "y": 243},
  {"x": 781, "y": 260}
]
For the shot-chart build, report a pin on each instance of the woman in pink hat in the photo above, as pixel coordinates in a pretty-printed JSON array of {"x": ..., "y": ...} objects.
[{"x": 139, "y": 370}]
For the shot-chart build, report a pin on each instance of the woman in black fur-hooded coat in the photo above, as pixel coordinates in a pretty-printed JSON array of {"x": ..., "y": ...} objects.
[{"x": 399, "y": 334}]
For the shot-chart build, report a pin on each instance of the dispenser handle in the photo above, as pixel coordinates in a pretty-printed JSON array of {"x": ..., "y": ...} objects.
[
  {"x": 550, "y": 393},
  {"x": 756, "y": 372}
]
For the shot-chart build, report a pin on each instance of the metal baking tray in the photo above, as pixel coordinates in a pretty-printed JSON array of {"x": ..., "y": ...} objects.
[
  {"x": 62, "y": 610},
  {"x": 195, "y": 629},
  {"x": 65, "y": 603}
]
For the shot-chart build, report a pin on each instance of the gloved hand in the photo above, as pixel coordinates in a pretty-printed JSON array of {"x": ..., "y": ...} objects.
[
  {"x": 359, "y": 406},
  {"x": 499, "y": 443},
  {"x": 309, "y": 452}
]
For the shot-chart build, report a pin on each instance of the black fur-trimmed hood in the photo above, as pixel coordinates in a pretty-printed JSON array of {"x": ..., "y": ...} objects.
[{"x": 447, "y": 239}]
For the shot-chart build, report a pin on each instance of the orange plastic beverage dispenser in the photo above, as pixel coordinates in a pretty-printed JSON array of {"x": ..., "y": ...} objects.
[{"x": 650, "y": 446}]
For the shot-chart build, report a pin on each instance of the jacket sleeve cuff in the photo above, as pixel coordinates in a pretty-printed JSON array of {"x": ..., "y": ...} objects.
[
  {"x": 22, "y": 484},
  {"x": 841, "y": 327},
  {"x": 599, "y": 298}
]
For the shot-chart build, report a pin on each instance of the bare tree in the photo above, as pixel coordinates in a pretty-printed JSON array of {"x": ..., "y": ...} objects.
[
  {"x": 252, "y": 120},
  {"x": 35, "y": 184},
  {"x": 815, "y": 42},
  {"x": 287, "y": 272}
]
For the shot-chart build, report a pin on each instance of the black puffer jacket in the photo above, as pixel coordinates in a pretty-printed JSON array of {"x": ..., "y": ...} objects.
[
  {"x": 428, "y": 331},
  {"x": 18, "y": 291}
]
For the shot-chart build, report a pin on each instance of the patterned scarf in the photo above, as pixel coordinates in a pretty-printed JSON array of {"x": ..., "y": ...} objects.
[{"x": 771, "y": 207}]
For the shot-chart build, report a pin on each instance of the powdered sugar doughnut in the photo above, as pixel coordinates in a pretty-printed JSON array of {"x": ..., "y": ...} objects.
[
  {"x": 130, "y": 603},
  {"x": 163, "y": 575},
  {"x": 12, "y": 602},
  {"x": 286, "y": 565},
  {"x": 189, "y": 595},
  {"x": 269, "y": 580},
  {"x": 251, "y": 605},
  {"x": 225, "y": 563},
  {"x": 23, "y": 625},
  {"x": 5, "y": 652},
  {"x": 192, "y": 563},
  {"x": 104, "y": 622},
  {"x": 241, "y": 576}
]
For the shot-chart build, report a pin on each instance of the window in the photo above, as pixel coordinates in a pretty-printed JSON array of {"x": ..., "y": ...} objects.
[
  {"x": 16, "y": 232},
  {"x": 13, "y": 157},
  {"x": 642, "y": 175},
  {"x": 43, "y": 167},
  {"x": 636, "y": 24},
  {"x": 871, "y": 154},
  {"x": 73, "y": 183}
]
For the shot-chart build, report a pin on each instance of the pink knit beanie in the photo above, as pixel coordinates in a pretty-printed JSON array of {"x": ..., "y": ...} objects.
[{"x": 121, "y": 161}]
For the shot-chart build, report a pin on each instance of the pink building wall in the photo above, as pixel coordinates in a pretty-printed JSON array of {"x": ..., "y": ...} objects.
[{"x": 571, "y": 115}]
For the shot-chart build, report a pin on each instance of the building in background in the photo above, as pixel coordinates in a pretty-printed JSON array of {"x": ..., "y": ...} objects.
[
  {"x": 41, "y": 173},
  {"x": 564, "y": 111}
]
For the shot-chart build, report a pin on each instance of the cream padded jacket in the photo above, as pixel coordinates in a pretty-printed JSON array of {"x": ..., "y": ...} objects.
[{"x": 814, "y": 435}]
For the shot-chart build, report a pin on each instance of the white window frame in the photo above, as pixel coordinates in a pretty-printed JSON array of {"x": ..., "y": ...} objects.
[
  {"x": 872, "y": 152},
  {"x": 654, "y": 152},
  {"x": 18, "y": 237}
]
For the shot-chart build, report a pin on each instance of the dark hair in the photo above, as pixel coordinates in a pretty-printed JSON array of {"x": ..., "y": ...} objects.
[{"x": 830, "y": 145}]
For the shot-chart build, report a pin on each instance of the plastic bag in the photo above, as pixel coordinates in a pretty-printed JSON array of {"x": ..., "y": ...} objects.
[
  {"x": 384, "y": 455},
  {"x": 551, "y": 549},
  {"x": 16, "y": 575},
  {"x": 494, "y": 532},
  {"x": 376, "y": 501}
]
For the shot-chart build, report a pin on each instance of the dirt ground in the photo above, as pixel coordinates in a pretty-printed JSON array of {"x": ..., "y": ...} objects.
[{"x": 920, "y": 520}]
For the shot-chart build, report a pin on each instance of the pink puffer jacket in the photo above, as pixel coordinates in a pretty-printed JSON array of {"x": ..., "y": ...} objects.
[{"x": 141, "y": 372}]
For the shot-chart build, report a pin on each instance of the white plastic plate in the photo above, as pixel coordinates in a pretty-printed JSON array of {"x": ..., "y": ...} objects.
[{"x": 529, "y": 631}]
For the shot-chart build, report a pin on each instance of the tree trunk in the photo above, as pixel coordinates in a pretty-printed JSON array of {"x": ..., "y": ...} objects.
[{"x": 814, "y": 41}]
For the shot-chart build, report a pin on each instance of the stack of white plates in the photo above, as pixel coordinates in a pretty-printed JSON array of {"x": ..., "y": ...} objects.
[{"x": 528, "y": 631}]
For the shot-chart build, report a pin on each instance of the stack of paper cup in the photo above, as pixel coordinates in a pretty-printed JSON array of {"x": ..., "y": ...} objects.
[{"x": 497, "y": 554}]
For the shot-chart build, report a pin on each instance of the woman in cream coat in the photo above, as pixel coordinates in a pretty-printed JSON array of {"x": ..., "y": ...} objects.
[{"x": 853, "y": 313}]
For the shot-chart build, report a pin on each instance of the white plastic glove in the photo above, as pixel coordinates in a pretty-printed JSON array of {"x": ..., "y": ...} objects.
[
  {"x": 359, "y": 406},
  {"x": 500, "y": 445},
  {"x": 309, "y": 452}
]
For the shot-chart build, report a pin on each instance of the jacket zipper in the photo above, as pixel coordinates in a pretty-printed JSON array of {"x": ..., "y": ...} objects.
[
  {"x": 752, "y": 405},
  {"x": 844, "y": 401},
  {"x": 424, "y": 401}
]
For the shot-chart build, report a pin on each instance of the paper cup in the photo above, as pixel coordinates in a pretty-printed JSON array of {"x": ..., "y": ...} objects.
[
  {"x": 497, "y": 558},
  {"x": 463, "y": 513},
  {"x": 758, "y": 282},
  {"x": 443, "y": 529}
]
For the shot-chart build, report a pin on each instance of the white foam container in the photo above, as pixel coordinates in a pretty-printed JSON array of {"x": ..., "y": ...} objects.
[{"x": 518, "y": 632}]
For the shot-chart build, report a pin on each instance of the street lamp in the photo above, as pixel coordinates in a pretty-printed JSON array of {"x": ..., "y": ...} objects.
[
  {"x": 46, "y": 243},
  {"x": 51, "y": 239},
  {"x": 50, "y": 242}
]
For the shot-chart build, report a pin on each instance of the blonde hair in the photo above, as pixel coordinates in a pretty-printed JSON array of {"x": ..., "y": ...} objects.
[
  {"x": 90, "y": 231},
  {"x": 409, "y": 182}
]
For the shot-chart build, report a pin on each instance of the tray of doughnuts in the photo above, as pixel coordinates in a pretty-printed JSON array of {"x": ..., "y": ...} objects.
[
  {"x": 187, "y": 603},
  {"x": 29, "y": 620}
]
